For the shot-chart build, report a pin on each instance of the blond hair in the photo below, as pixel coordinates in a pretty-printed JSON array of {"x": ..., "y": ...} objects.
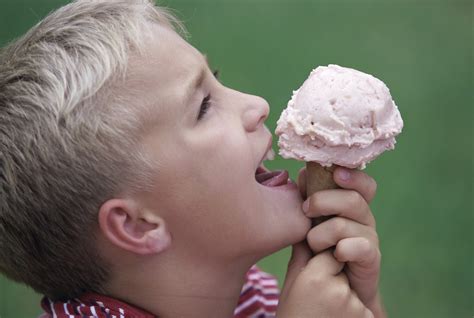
[{"x": 68, "y": 140}]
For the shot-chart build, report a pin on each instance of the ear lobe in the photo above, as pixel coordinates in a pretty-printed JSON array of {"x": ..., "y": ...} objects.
[{"x": 127, "y": 226}]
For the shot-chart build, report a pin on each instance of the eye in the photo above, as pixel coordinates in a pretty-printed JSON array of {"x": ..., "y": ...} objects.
[{"x": 206, "y": 103}]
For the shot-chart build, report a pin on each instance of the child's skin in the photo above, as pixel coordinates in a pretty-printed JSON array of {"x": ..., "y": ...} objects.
[
  {"x": 351, "y": 230},
  {"x": 182, "y": 250}
]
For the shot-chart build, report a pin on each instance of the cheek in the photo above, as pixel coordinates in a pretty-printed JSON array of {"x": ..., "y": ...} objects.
[
  {"x": 222, "y": 156},
  {"x": 220, "y": 171},
  {"x": 206, "y": 184}
]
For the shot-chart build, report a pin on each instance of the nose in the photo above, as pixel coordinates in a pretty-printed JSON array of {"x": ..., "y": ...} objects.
[{"x": 255, "y": 112}]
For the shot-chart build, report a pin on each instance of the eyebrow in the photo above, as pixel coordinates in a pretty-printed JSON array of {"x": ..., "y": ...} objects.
[{"x": 196, "y": 81}]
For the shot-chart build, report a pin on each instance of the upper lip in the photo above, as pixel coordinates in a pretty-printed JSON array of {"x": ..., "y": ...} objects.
[{"x": 269, "y": 146}]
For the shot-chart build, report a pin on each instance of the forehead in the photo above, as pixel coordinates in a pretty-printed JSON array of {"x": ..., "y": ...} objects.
[
  {"x": 160, "y": 77},
  {"x": 166, "y": 49}
]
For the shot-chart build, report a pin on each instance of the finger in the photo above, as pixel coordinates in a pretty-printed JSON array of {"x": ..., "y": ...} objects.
[
  {"x": 302, "y": 182},
  {"x": 300, "y": 255},
  {"x": 363, "y": 265},
  {"x": 324, "y": 264},
  {"x": 356, "y": 180},
  {"x": 347, "y": 300},
  {"x": 342, "y": 278},
  {"x": 346, "y": 203},
  {"x": 357, "y": 306},
  {"x": 368, "y": 313},
  {"x": 330, "y": 232},
  {"x": 360, "y": 251},
  {"x": 339, "y": 287}
]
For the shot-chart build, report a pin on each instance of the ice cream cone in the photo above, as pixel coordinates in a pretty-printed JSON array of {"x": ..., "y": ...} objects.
[{"x": 319, "y": 178}]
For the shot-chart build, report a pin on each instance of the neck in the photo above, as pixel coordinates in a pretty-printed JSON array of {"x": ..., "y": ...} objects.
[{"x": 172, "y": 286}]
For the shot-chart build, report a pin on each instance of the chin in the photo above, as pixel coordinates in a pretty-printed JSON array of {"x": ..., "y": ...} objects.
[
  {"x": 277, "y": 215},
  {"x": 284, "y": 213}
]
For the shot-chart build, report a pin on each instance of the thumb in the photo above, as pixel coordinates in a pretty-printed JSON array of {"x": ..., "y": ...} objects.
[{"x": 300, "y": 255}]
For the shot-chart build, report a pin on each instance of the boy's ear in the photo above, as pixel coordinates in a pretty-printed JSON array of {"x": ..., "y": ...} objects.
[{"x": 136, "y": 230}]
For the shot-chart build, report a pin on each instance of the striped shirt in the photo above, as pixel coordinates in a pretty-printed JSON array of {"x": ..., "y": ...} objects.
[{"x": 258, "y": 299}]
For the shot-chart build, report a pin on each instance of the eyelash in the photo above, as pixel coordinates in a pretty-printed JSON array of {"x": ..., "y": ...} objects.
[{"x": 206, "y": 102}]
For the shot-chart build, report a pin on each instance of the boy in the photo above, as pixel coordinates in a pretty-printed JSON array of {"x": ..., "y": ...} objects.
[{"x": 129, "y": 182}]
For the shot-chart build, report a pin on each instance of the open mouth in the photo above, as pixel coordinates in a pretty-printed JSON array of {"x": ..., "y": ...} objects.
[{"x": 271, "y": 178}]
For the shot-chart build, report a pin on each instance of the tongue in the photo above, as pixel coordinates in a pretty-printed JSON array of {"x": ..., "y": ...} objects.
[{"x": 272, "y": 178}]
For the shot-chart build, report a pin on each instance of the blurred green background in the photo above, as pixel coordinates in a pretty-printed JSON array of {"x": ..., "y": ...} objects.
[{"x": 422, "y": 50}]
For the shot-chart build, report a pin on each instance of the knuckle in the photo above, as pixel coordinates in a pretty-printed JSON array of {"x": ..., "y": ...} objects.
[
  {"x": 339, "y": 226},
  {"x": 315, "y": 201},
  {"x": 378, "y": 256},
  {"x": 313, "y": 240},
  {"x": 339, "y": 291},
  {"x": 366, "y": 246},
  {"x": 354, "y": 302},
  {"x": 373, "y": 185},
  {"x": 373, "y": 254},
  {"x": 375, "y": 237},
  {"x": 311, "y": 281},
  {"x": 367, "y": 313},
  {"x": 355, "y": 199},
  {"x": 373, "y": 223},
  {"x": 357, "y": 308}
]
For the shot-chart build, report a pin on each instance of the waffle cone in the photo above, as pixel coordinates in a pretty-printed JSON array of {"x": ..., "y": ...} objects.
[{"x": 319, "y": 178}]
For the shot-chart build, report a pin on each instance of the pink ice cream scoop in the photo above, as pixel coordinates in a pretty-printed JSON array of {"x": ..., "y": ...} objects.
[{"x": 339, "y": 116}]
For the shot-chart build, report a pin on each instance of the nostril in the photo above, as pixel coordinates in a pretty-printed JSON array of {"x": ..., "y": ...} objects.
[
  {"x": 262, "y": 120},
  {"x": 251, "y": 119}
]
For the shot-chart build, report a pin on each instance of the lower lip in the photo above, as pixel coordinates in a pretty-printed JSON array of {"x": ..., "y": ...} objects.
[{"x": 288, "y": 186}]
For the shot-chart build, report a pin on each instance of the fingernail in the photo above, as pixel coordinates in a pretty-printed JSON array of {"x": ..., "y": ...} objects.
[
  {"x": 306, "y": 206},
  {"x": 344, "y": 174}
]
